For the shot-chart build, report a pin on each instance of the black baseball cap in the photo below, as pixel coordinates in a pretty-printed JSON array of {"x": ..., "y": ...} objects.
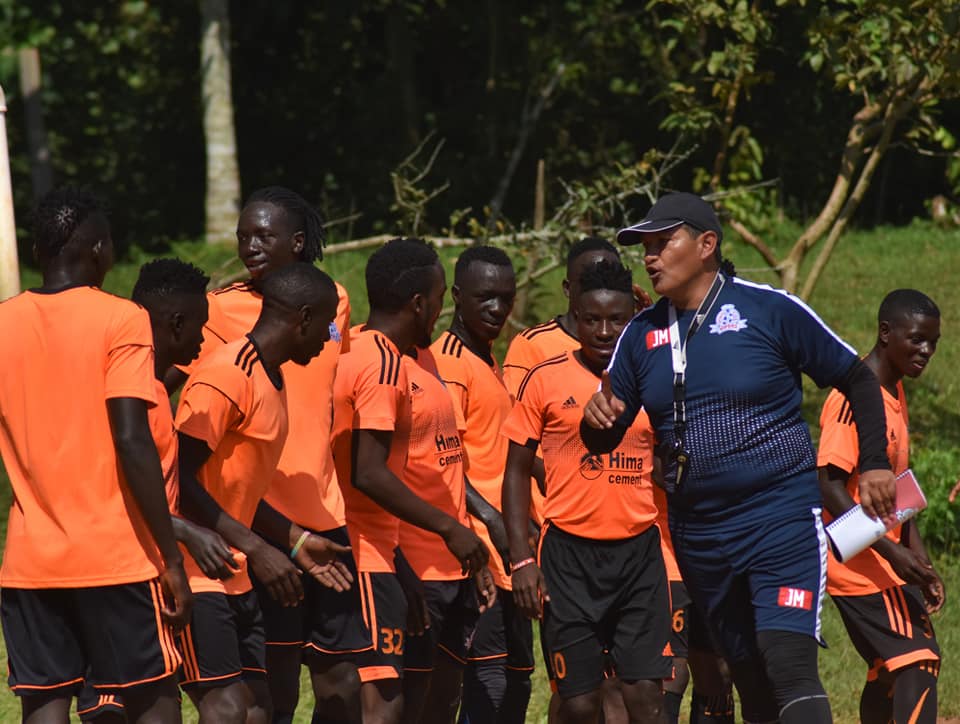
[{"x": 670, "y": 211}]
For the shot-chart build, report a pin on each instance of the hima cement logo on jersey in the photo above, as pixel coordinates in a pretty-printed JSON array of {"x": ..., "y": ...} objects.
[
  {"x": 622, "y": 469},
  {"x": 728, "y": 320}
]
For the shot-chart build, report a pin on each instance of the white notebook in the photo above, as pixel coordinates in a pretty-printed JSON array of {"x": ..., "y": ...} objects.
[{"x": 855, "y": 531}]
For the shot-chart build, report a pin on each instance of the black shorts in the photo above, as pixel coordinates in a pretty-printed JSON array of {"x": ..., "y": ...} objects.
[
  {"x": 384, "y": 609},
  {"x": 679, "y": 619},
  {"x": 605, "y": 596},
  {"x": 890, "y": 630},
  {"x": 504, "y": 636},
  {"x": 325, "y": 621},
  {"x": 90, "y": 704},
  {"x": 453, "y": 611},
  {"x": 224, "y": 642},
  {"x": 112, "y": 635}
]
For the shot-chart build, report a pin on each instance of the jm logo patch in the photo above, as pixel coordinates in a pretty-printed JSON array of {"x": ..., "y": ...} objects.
[
  {"x": 657, "y": 338},
  {"x": 795, "y": 598}
]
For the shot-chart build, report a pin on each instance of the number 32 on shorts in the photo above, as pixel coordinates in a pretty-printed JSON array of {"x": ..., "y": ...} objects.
[{"x": 392, "y": 641}]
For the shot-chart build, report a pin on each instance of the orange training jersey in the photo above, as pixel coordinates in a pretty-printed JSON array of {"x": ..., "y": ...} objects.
[
  {"x": 867, "y": 572},
  {"x": 434, "y": 468},
  {"x": 666, "y": 541},
  {"x": 603, "y": 497},
  {"x": 233, "y": 405},
  {"x": 164, "y": 435},
  {"x": 531, "y": 347},
  {"x": 370, "y": 393},
  {"x": 304, "y": 488},
  {"x": 477, "y": 388},
  {"x": 73, "y": 522}
]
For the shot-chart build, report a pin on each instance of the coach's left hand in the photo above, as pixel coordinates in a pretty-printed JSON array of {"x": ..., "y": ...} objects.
[
  {"x": 878, "y": 494},
  {"x": 318, "y": 557},
  {"x": 529, "y": 590}
]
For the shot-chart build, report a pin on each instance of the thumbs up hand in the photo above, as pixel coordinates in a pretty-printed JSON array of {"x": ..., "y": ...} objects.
[{"x": 604, "y": 407}]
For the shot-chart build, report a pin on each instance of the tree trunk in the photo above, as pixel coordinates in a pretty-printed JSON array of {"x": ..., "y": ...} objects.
[
  {"x": 223, "y": 176},
  {"x": 41, "y": 171},
  {"x": 9, "y": 268}
]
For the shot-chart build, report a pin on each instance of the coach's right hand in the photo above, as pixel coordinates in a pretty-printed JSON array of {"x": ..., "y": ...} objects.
[
  {"x": 467, "y": 547},
  {"x": 529, "y": 590},
  {"x": 177, "y": 597},
  {"x": 604, "y": 408},
  {"x": 277, "y": 572}
]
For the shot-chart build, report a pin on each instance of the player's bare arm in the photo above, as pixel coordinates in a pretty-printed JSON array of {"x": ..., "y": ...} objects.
[
  {"x": 906, "y": 562},
  {"x": 272, "y": 567},
  {"x": 529, "y": 587},
  {"x": 315, "y": 554},
  {"x": 141, "y": 468},
  {"x": 173, "y": 380},
  {"x": 934, "y": 591},
  {"x": 208, "y": 549},
  {"x": 479, "y": 508},
  {"x": 418, "y": 615},
  {"x": 373, "y": 478}
]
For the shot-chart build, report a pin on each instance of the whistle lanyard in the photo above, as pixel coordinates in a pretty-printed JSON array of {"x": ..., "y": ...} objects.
[{"x": 678, "y": 353}]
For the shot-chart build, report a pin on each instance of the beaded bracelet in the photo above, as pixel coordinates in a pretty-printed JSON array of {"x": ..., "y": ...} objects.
[
  {"x": 299, "y": 544},
  {"x": 514, "y": 567}
]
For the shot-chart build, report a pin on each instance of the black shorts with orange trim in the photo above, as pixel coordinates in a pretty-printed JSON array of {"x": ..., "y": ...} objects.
[
  {"x": 384, "y": 608},
  {"x": 453, "y": 612},
  {"x": 607, "y": 599},
  {"x": 112, "y": 635},
  {"x": 680, "y": 610},
  {"x": 224, "y": 642},
  {"x": 326, "y": 622},
  {"x": 503, "y": 634},
  {"x": 890, "y": 629},
  {"x": 91, "y": 704}
]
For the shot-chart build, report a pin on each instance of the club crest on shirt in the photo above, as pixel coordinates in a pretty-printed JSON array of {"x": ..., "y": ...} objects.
[
  {"x": 728, "y": 320},
  {"x": 334, "y": 332},
  {"x": 591, "y": 466}
]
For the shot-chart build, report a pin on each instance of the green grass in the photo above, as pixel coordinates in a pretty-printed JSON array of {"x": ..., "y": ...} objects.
[{"x": 865, "y": 266}]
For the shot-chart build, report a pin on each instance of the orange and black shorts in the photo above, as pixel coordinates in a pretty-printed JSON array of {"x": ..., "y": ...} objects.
[
  {"x": 680, "y": 619},
  {"x": 111, "y": 635},
  {"x": 384, "y": 608},
  {"x": 890, "y": 629},
  {"x": 609, "y": 603},
  {"x": 224, "y": 642},
  {"x": 326, "y": 622},
  {"x": 91, "y": 705},
  {"x": 453, "y": 612}
]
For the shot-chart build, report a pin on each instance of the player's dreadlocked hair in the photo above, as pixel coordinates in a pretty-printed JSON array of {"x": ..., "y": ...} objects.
[
  {"x": 606, "y": 274},
  {"x": 586, "y": 245},
  {"x": 303, "y": 215},
  {"x": 488, "y": 254},
  {"x": 162, "y": 278},
  {"x": 398, "y": 270},
  {"x": 905, "y": 303},
  {"x": 57, "y": 217}
]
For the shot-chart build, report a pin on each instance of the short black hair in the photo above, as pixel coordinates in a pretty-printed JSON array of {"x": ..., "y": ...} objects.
[
  {"x": 58, "y": 215},
  {"x": 297, "y": 285},
  {"x": 606, "y": 274},
  {"x": 905, "y": 303},
  {"x": 302, "y": 214},
  {"x": 163, "y": 278},
  {"x": 586, "y": 245},
  {"x": 397, "y": 271},
  {"x": 484, "y": 253}
]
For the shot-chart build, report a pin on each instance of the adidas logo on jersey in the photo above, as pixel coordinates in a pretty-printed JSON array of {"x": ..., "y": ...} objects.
[{"x": 568, "y": 403}]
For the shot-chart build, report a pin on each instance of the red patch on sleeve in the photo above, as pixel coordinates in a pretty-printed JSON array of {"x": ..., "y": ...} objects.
[{"x": 657, "y": 337}]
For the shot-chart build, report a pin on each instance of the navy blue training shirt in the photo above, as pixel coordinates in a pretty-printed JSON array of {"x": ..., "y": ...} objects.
[{"x": 745, "y": 435}]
